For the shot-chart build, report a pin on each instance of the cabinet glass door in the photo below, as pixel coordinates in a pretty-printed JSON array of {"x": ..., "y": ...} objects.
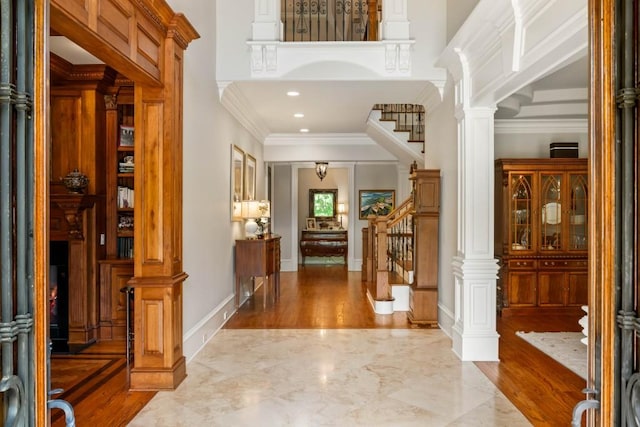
[
  {"x": 550, "y": 212},
  {"x": 520, "y": 212},
  {"x": 578, "y": 212}
]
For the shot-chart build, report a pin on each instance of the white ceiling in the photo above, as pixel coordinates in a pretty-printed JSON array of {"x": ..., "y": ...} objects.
[{"x": 343, "y": 106}]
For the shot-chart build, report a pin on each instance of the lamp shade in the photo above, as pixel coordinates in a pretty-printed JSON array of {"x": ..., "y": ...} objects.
[
  {"x": 341, "y": 208},
  {"x": 250, "y": 209}
]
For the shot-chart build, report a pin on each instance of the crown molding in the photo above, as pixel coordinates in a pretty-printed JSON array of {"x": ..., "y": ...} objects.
[
  {"x": 556, "y": 126},
  {"x": 237, "y": 104}
]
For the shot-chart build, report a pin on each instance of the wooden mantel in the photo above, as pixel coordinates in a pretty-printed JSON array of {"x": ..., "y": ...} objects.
[
  {"x": 73, "y": 205},
  {"x": 145, "y": 40}
]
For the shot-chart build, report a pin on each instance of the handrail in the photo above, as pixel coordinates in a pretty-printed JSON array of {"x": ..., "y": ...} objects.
[
  {"x": 330, "y": 20},
  {"x": 407, "y": 118},
  {"x": 390, "y": 241}
]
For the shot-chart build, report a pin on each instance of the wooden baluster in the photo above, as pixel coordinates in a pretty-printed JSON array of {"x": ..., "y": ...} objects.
[{"x": 372, "y": 30}]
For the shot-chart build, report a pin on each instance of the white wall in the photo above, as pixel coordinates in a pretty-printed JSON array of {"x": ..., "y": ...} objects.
[
  {"x": 526, "y": 145},
  {"x": 457, "y": 13},
  {"x": 371, "y": 177},
  {"x": 441, "y": 152},
  {"x": 208, "y": 233}
]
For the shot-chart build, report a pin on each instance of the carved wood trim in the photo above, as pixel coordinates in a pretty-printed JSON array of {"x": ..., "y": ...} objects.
[{"x": 73, "y": 205}]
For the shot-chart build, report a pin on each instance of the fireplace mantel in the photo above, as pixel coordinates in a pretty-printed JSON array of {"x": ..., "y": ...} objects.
[{"x": 73, "y": 205}]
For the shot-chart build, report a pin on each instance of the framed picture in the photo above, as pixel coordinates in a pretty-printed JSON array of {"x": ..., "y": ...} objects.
[
  {"x": 323, "y": 203},
  {"x": 376, "y": 202},
  {"x": 311, "y": 223},
  {"x": 237, "y": 182},
  {"x": 250, "y": 177}
]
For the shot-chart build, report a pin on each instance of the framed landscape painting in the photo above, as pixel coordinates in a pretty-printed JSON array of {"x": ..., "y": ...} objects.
[{"x": 376, "y": 202}]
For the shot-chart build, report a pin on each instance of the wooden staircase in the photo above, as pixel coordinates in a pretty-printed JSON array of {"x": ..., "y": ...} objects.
[
  {"x": 401, "y": 250},
  {"x": 407, "y": 117}
]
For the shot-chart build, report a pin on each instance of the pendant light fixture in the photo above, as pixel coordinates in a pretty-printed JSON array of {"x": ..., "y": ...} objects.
[{"x": 321, "y": 169}]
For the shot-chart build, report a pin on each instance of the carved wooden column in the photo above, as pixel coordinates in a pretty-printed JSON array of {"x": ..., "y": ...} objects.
[
  {"x": 76, "y": 209},
  {"x": 159, "y": 362}
]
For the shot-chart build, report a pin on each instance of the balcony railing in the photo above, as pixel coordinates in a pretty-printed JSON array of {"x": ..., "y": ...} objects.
[{"x": 330, "y": 20}]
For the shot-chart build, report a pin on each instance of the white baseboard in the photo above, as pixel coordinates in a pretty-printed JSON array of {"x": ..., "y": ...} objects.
[
  {"x": 445, "y": 320},
  {"x": 400, "y": 294},
  {"x": 195, "y": 338}
]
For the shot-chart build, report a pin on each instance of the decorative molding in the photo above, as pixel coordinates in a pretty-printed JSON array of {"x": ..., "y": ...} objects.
[
  {"x": 93, "y": 73},
  {"x": 546, "y": 126},
  {"x": 518, "y": 45},
  {"x": 235, "y": 102},
  {"x": 390, "y": 58},
  {"x": 73, "y": 205},
  {"x": 338, "y": 139}
]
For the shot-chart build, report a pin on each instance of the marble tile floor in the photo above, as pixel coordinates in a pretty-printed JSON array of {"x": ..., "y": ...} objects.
[{"x": 334, "y": 377}]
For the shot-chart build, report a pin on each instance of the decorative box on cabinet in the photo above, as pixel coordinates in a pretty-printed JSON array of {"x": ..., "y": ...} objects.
[{"x": 541, "y": 238}]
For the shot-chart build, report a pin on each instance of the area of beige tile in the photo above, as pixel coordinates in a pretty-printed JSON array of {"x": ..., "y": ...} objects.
[{"x": 338, "y": 377}]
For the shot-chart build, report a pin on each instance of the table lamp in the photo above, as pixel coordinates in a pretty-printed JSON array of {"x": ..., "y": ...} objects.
[
  {"x": 341, "y": 210},
  {"x": 251, "y": 212}
]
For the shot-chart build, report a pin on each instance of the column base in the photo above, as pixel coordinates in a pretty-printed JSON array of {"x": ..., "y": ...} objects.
[
  {"x": 158, "y": 378},
  {"x": 477, "y": 347}
]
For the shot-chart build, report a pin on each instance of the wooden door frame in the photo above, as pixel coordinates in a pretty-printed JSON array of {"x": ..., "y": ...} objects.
[{"x": 153, "y": 59}]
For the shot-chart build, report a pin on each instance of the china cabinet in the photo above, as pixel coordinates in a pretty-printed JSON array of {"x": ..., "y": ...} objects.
[{"x": 541, "y": 238}]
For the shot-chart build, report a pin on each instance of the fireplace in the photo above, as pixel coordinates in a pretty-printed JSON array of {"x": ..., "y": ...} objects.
[{"x": 59, "y": 296}]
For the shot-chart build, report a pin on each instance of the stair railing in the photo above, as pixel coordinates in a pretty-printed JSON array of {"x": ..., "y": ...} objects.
[
  {"x": 390, "y": 242},
  {"x": 330, "y": 20},
  {"x": 407, "y": 118}
]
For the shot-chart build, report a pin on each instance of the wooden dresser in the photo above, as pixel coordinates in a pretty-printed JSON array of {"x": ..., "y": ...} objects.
[
  {"x": 258, "y": 258},
  {"x": 324, "y": 243}
]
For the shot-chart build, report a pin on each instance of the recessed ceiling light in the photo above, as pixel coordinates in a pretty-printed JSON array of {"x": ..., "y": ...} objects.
[
  {"x": 293, "y": 93},
  {"x": 304, "y": 130},
  {"x": 298, "y": 115}
]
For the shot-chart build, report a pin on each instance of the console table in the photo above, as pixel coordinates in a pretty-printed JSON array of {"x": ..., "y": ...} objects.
[
  {"x": 255, "y": 258},
  {"x": 324, "y": 243}
]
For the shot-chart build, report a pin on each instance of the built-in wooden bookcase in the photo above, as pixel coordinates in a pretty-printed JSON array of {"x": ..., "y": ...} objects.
[
  {"x": 120, "y": 173},
  {"x": 117, "y": 268}
]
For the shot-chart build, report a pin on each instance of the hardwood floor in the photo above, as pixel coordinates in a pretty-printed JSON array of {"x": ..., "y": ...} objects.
[
  {"x": 328, "y": 297},
  {"x": 95, "y": 383}
]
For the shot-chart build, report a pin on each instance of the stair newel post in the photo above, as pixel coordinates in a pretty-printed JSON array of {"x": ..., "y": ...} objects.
[
  {"x": 371, "y": 250},
  {"x": 383, "y": 292}
]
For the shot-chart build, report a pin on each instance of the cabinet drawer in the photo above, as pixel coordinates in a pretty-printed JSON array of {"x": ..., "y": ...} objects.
[
  {"x": 563, "y": 263},
  {"x": 515, "y": 264}
]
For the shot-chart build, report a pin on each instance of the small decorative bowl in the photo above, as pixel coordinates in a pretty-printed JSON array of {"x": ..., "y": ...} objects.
[{"x": 75, "y": 182}]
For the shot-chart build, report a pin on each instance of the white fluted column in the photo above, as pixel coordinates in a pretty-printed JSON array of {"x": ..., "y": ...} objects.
[{"x": 475, "y": 268}]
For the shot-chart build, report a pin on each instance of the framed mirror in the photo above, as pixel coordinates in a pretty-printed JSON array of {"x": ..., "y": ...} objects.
[{"x": 323, "y": 203}]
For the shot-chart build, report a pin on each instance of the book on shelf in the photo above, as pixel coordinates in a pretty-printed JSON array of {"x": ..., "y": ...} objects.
[
  {"x": 126, "y": 136},
  {"x": 125, "y": 197},
  {"x": 125, "y": 247}
]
